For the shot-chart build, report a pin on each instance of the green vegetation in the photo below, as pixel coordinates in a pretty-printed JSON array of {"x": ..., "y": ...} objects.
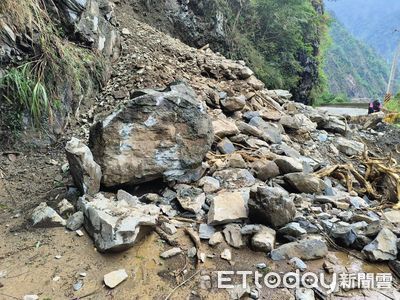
[
  {"x": 353, "y": 68},
  {"x": 328, "y": 98},
  {"x": 278, "y": 39},
  {"x": 393, "y": 105},
  {"x": 34, "y": 85}
]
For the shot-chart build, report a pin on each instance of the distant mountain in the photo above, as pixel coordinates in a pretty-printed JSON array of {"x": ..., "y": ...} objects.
[
  {"x": 373, "y": 21},
  {"x": 352, "y": 68}
]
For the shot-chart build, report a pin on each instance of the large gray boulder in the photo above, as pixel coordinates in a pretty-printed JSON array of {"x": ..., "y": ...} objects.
[
  {"x": 159, "y": 134},
  {"x": 271, "y": 206},
  {"x": 84, "y": 170},
  {"x": 116, "y": 225}
]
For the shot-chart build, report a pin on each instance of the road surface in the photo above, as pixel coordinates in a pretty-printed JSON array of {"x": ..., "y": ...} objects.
[{"x": 346, "y": 110}]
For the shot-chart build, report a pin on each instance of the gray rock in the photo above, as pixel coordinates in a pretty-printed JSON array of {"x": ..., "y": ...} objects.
[
  {"x": 226, "y": 254},
  {"x": 298, "y": 264},
  {"x": 65, "y": 208},
  {"x": 307, "y": 249},
  {"x": 235, "y": 178},
  {"x": 75, "y": 221},
  {"x": 349, "y": 147},
  {"x": 45, "y": 217},
  {"x": 206, "y": 231},
  {"x": 125, "y": 196},
  {"x": 305, "y": 183},
  {"x": 343, "y": 233},
  {"x": 333, "y": 124},
  {"x": 235, "y": 160},
  {"x": 171, "y": 253},
  {"x": 271, "y": 132},
  {"x": 115, "y": 278},
  {"x": 168, "y": 228},
  {"x": 232, "y": 104},
  {"x": 227, "y": 207},
  {"x": 84, "y": 170},
  {"x": 265, "y": 169},
  {"x": 271, "y": 207},
  {"x": 305, "y": 294},
  {"x": 116, "y": 225},
  {"x": 191, "y": 199},
  {"x": 292, "y": 229},
  {"x": 264, "y": 240},
  {"x": 192, "y": 252},
  {"x": 290, "y": 122},
  {"x": 209, "y": 184},
  {"x": 288, "y": 164},
  {"x": 383, "y": 248},
  {"x": 216, "y": 239},
  {"x": 226, "y": 147},
  {"x": 233, "y": 236},
  {"x": 173, "y": 128},
  {"x": 250, "y": 229},
  {"x": 224, "y": 127}
]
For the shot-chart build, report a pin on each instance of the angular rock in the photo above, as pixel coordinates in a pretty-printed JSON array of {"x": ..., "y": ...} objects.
[
  {"x": 305, "y": 294},
  {"x": 235, "y": 178},
  {"x": 298, "y": 264},
  {"x": 171, "y": 253},
  {"x": 232, "y": 104},
  {"x": 307, "y": 249},
  {"x": 227, "y": 207},
  {"x": 383, "y": 248},
  {"x": 75, "y": 221},
  {"x": 226, "y": 147},
  {"x": 206, "y": 231},
  {"x": 305, "y": 183},
  {"x": 255, "y": 83},
  {"x": 168, "y": 228},
  {"x": 272, "y": 207},
  {"x": 263, "y": 240},
  {"x": 209, "y": 184},
  {"x": 191, "y": 199},
  {"x": 44, "y": 216},
  {"x": 116, "y": 225},
  {"x": 288, "y": 164},
  {"x": 271, "y": 132},
  {"x": 333, "y": 124},
  {"x": 233, "y": 236},
  {"x": 349, "y": 147},
  {"x": 236, "y": 161},
  {"x": 157, "y": 135},
  {"x": 226, "y": 254},
  {"x": 216, "y": 239},
  {"x": 265, "y": 169},
  {"x": 84, "y": 170},
  {"x": 292, "y": 229},
  {"x": 65, "y": 208},
  {"x": 224, "y": 127},
  {"x": 115, "y": 278}
]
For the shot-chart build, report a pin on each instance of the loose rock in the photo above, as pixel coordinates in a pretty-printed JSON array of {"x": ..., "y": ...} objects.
[{"x": 115, "y": 278}]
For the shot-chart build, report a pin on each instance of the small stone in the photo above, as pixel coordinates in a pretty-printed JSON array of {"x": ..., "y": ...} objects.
[
  {"x": 236, "y": 161},
  {"x": 31, "y": 297},
  {"x": 261, "y": 266},
  {"x": 233, "y": 236},
  {"x": 349, "y": 147},
  {"x": 264, "y": 240},
  {"x": 191, "y": 199},
  {"x": 56, "y": 278},
  {"x": 288, "y": 165},
  {"x": 75, "y": 221},
  {"x": 206, "y": 231},
  {"x": 79, "y": 233},
  {"x": 77, "y": 285},
  {"x": 125, "y": 31},
  {"x": 192, "y": 252},
  {"x": 305, "y": 183},
  {"x": 227, "y": 207},
  {"x": 307, "y": 249},
  {"x": 209, "y": 184},
  {"x": 226, "y": 147},
  {"x": 292, "y": 229},
  {"x": 226, "y": 254},
  {"x": 298, "y": 264},
  {"x": 232, "y": 104},
  {"x": 216, "y": 239},
  {"x": 57, "y": 257},
  {"x": 383, "y": 248},
  {"x": 265, "y": 169},
  {"x": 115, "y": 278},
  {"x": 171, "y": 253},
  {"x": 65, "y": 208},
  {"x": 250, "y": 229},
  {"x": 45, "y": 216},
  {"x": 304, "y": 294},
  {"x": 168, "y": 228}
]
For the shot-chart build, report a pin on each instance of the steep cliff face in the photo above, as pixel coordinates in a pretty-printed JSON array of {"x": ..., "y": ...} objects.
[{"x": 248, "y": 30}]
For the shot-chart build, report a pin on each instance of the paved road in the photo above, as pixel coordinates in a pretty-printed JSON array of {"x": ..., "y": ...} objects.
[{"x": 346, "y": 111}]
